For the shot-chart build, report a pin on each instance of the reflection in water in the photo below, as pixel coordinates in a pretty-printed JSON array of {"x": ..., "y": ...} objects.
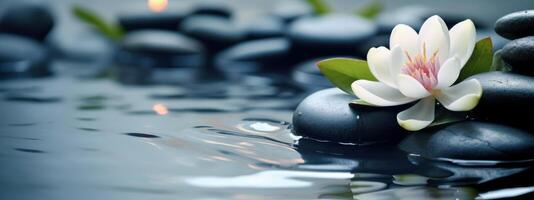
[
  {"x": 267, "y": 179},
  {"x": 160, "y": 109},
  {"x": 231, "y": 142}
]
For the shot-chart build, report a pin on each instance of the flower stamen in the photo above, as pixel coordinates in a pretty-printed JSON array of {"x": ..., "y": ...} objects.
[{"x": 423, "y": 69}]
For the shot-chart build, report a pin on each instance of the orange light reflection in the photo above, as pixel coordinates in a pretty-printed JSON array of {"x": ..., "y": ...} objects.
[{"x": 157, "y": 5}]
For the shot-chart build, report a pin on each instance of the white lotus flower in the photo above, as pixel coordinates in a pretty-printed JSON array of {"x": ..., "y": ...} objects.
[{"x": 422, "y": 66}]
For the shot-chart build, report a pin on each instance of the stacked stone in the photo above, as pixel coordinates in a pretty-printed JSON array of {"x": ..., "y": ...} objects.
[
  {"x": 24, "y": 27},
  {"x": 519, "y": 53},
  {"x": 500, "y": 127}
]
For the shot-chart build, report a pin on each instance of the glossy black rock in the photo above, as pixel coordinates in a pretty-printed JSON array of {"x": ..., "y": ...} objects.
[
  {"x": 327, "y": 115},
  {"x": 264, "y": 27},
  {"x": 308, "y": 76},
  {"x": 506, "y": 98},
  {"x": 472, "y": 141},
  {"x": 520, "y": 54},
  {"x": 516, "y": 25},
  {"x": 330, "y": 34},
  {"x": 22, "y": 57},
  {"x": 27, "y": 19},
  {"x": 256, "y": 55},
  {"x": 211, "y": 30},
  {"x": 164, "y": 21}
]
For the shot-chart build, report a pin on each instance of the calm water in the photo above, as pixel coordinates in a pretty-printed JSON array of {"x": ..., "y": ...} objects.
[{"x": 64, "y": 138}]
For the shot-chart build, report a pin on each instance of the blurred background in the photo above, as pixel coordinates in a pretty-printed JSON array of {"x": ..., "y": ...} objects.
[{"x": 193, "y": 99}]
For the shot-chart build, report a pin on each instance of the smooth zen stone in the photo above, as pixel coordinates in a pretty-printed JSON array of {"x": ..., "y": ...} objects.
[
  {"x": 159, "y": 42},
  {"x": 326, "y": 115},
  {"x": 519, "y": 54},
  {"x": 256, "y": 55},
  {"x": 308, "y": 76},
  {"x": 213, "y": 8},
  {"x": 22, "y": 57},
  {"x": 409, "y": 15},
  {"x": 214, "y": 31},
  {"x": 472, "y": 141},
  {"x": 382, "y": 160},
  {"x": 289, "y": 11},
  {"x": 516, "y": 25},
  {"x": 27, "y": 19},
  {"x": 506, "y": 98},
  {"x": 163, "y": 21},
  {"x": 375, "y": 41},
  {"x": 264, "y": 27},
  {"x": 329, "y": 34},
  {"x": 157, "y": 56}
]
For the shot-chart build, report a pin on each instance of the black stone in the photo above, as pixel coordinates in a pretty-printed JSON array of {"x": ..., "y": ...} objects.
[
  {"x": 27, "y": 19},
  {"x": 330, "y": 156},
  {"x": 326, "y": 115},
  {"x": 159, "y": 42},
  {"x": 264, "y": 27},
  {"x": 375, "y": 41},
  {"x": 516, "y": 25},
  {"x": 213, "y": 8},
  {"x": 506, "y": 98},
  {"x": 412, "y": 16},
  {"x": 519, "y": 54},
  {"x": 288, "y": 11},
  {"x": 22, "y": 57},
  {"x": 140, "y": 52},
  {"x": 163, "y": 21},
  {"x": 308, "y": 76},
  {"x": 472, "y": 141},
  {"x": 253, "y": 56},
  {"x": 213, "y": 31},
  {"x": 329, "y": 34}
]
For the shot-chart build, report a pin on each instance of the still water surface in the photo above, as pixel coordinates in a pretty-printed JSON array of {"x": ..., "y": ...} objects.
[{"x": 65, "y": 138}]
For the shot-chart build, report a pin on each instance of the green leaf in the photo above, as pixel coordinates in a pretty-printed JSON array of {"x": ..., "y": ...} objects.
[
  {"x": 113, "y": 31},
  {"x": 319, "y": 7},
  {"x": 371, "y": 10},
  {"x": 498, "y": 64},
  {"x": 342, "y": 72},
  {"x": 480, "y": 60}
]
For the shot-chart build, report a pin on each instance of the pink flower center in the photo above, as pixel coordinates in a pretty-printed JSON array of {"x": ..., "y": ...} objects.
[{"x": 424, "y": 69}]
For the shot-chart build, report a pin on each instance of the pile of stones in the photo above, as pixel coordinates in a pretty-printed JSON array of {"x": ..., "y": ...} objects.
[{"x": 499, "y": 128}]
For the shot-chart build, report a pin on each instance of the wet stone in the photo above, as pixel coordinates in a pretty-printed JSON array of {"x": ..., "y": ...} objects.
[
  {"x": 213, "y": 31},
  {"x": 520, "y": 54},
  {"x": 212, "y": 8},
  {"x": 22, "y": 57},
  {"x": 375, "y": 41},
  {"x": 472, "y": 141},
  {"x": 264, "y": 27},
  {"x": 27, "y": 19},
  {"x": 516, "y": 25},
  {"x": 506, "y": 98},
  {"x": 289, "y": 11},
  {"x": 161, "y": 21},
  {"x": 308, "y": 76},
  {"x": 175, "y": 55},
  {"x": 409, "y": 15},
  {"x": 327, "y": 115},
  {"x": 332, "y": 156},
  {"x": 253, "y": 56},
  {"x": 159, "y": 42},
  {"x": 330, "y": 34}
]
